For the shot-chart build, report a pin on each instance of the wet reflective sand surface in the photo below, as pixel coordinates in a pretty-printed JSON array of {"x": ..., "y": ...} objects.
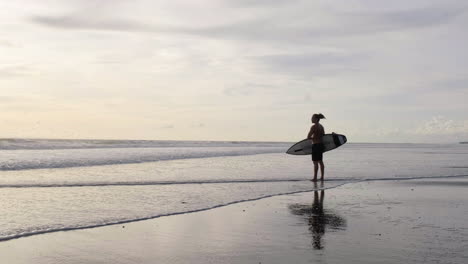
[{"x": 413, "y": 221}]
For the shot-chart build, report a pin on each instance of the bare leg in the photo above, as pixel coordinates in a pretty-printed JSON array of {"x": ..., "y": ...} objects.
[
  {"x": 315, "y": 170},
  {"x": 322, "y": 170}
]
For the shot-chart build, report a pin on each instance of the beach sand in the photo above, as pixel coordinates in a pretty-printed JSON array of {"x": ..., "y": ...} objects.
[{"x": 412, "y": 221}]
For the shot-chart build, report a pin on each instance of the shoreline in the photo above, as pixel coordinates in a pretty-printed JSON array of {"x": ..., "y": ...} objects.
[
  {"x": 365, "y": 221},
  {"x": 43, "y": 232}
]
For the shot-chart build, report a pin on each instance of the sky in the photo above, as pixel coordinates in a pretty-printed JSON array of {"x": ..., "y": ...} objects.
[{"x": 380, "y": 71}]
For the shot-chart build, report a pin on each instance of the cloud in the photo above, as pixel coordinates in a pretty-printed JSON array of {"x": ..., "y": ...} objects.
[
  {"x": 302, "y": 23},
  {"x": 10, "y": 71},
  {"x": 199, "y": 125},
  {"x": 312, "y": 64},
  {"x": 78, "y": 22},
  {"x": 30, "y": 103},
  {"x": 246, "y": 89},
  {"x": 362, "y": 61},
  {"x": 440, "y": 125},
  {"x": 9, "y": 99},
  {"x": 6, "y": 43},
  {"x": 259, "y": 3},
  {"x": 167, "y": 126},
  {"x": 236, "y": 91},
  {"x": 451, "y": 84},
  {"x": 403, "y": 19},
  {"x": 306, "y": 28},
  {"x": 305, "y": 60}
]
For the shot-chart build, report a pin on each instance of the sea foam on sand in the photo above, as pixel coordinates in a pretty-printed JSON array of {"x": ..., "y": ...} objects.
[{"x": 410, "y": 221}]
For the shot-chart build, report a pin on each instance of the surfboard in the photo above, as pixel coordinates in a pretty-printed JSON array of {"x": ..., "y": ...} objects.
[{"x": 330, "y": 141}]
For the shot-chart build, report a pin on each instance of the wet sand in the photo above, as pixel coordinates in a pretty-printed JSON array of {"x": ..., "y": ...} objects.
[{"x": 412, "y": 221}]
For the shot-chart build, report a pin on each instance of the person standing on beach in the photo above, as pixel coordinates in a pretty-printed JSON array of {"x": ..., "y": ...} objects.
[{"x": 315, "y": 134}]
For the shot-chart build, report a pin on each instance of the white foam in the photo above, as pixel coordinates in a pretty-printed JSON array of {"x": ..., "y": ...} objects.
[
  {"x": 22, "y": 144},
  {"x": 64, "y": 158},
  {"x": 106, "y": 222},
  {"x": 91, "y": 190}
]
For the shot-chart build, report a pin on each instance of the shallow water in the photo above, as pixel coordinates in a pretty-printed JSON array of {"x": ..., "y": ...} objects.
[{"x": 62, "y": 185}]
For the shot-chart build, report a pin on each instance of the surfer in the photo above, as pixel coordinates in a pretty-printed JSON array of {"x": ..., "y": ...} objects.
[{"x": 315, "y": 134}]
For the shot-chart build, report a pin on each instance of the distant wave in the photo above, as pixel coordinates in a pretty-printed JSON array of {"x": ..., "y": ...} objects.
[
  {"x": 65, "y": 158},
  {"x": 23, "y": 144}
]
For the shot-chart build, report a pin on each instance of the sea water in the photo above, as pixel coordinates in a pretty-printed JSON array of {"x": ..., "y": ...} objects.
[{"x": 54, "y": 185}]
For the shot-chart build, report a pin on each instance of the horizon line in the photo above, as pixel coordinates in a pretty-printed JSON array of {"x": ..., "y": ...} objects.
[{"x": 207, "y": 140}]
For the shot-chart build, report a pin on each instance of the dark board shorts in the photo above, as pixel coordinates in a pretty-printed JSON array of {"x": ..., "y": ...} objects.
[{"x": 317, "y": 151}]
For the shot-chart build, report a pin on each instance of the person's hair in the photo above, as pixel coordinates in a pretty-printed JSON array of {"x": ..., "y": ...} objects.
[{"x": 319, "y": 116}]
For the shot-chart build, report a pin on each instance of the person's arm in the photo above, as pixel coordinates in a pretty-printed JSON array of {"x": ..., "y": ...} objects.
[{"x": 311, "y": 132}]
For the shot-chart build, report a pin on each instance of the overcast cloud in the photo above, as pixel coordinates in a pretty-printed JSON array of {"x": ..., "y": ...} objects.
[{"x": 380, "y": 71}]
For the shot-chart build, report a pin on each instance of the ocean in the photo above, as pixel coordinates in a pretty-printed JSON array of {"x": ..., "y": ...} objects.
[{"x": 55, "y": 185}]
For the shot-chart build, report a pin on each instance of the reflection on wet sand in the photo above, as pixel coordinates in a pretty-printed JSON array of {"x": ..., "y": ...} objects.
[{"x": 318, "y": 218}]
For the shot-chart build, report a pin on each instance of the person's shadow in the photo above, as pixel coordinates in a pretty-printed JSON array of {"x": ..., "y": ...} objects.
[{"x": 317, "y": 218}]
